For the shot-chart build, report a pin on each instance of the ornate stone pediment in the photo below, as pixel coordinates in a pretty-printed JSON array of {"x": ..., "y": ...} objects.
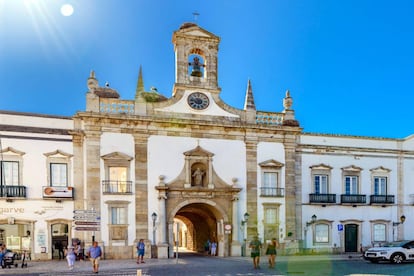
[
  {"x": 12, "y": 151},
  {"x": 198, "y": 151},
  {"x": 352, "y": 168},
  {"x": 58, "y": 153},
  {"x": 321, "y": 166},
  {"x": 191, "y": 29},
  {"x": 117, "y": 156},
  {"x": 271, "y": 163},
  {"x": 380, "y": 169}
]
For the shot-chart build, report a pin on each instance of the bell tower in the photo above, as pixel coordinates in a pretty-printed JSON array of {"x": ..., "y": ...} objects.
[{"x": 195, "y": 59}]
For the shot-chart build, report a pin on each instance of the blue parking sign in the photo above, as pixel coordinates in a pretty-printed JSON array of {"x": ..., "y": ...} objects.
[{"x": 340, "y": 227}]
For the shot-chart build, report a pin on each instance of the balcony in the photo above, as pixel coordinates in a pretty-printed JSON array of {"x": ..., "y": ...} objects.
[
  {"x": 272, "y": 192},
  {"x": 381, "y": 199},
  {"x": 322, "y": 198},
  {"x": 13, "y": 191},
  {"x": 353, "y": 199},
  {"x": 116, "y": 187}
]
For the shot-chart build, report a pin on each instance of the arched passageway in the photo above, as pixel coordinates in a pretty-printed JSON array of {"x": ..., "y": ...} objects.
[{"x": 199, "y": 224}]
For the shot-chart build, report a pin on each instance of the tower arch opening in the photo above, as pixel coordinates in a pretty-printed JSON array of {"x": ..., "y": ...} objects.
[{"x": 199, "y": 223}]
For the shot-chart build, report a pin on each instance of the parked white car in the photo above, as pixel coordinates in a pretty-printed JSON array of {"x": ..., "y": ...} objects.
[{"x": 394, "y": 252}]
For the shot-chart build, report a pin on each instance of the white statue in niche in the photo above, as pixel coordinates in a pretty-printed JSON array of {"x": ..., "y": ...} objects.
[{"x": 198, "y": 175}]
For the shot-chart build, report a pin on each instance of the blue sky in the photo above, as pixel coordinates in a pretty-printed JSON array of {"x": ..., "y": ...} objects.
[{"x": 348, "y": 64}]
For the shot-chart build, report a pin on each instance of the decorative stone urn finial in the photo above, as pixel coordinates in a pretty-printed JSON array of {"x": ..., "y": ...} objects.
[{"x": 287, "y": 101}]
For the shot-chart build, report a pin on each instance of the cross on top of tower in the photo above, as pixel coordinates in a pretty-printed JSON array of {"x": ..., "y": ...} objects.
[{"x": 195, "y": 14}]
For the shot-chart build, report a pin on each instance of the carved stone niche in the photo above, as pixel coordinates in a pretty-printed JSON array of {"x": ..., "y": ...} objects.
[{"x": 198, "y": 168}]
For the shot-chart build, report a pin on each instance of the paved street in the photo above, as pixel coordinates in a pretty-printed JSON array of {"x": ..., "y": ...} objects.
[{"x": 193, "y": 264}]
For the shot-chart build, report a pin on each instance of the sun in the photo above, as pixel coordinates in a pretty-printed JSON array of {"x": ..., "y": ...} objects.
[{"x": 66, "y": 10}]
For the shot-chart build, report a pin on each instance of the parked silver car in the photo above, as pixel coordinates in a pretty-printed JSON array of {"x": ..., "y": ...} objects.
[{"x": 394, "y": 252}]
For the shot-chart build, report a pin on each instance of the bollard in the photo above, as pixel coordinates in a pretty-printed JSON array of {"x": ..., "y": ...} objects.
[{"x": 139, "y": 272}]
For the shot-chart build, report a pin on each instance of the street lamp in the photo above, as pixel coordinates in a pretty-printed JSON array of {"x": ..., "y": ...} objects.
[
  {"x": 394, "y": 224},
  {"x": 402, "y": 219},
  {"x": 243, "y": 223},
  {"x": 313, "y": 220},
  {"x": 308, "y": 223},
  {"x": 154, "y": 218},
  {"x": 153, "y": 246}
]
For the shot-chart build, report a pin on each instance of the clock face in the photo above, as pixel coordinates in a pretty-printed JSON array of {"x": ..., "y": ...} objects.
[{"x": 198, "y": 101}]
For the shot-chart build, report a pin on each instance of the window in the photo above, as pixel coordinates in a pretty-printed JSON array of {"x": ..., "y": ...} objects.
[
  {"x": 58, "y": 168},
  {"x": 270, "y": 215},
  {"x": 379, "y": 232},
  {"x": 380, "y": 185},
  {"x": 321, "y": 184},
  {"x": 117, "y": 173},
  {"x": 58, "y": 175},
  {"x": 270, "y": 179},
  {"x": 9, "y": 172},
  {"x": 351, "y": 184},
  {"x": 321, "y": 233},
  {"x": 118, "y": 215},
  {"x": 118, "y": 220},
  {"x": 320, "y": 174}
]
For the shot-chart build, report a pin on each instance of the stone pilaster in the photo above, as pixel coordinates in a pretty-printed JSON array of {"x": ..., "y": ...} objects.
[
  {"x": 141, "y": 185},
  {"x": 78, "y": 169},
  {"x": 235, "y": 243},
  {"x": 93, "y": 180},
  {"x": 162, "y": 246},
  {"x": 292, "y": 194},
  {"x": 251, "y": 186}
]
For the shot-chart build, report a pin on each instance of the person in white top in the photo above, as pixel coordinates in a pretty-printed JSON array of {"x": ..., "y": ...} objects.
[
  {"x": 213, "y": 248},
  {"x": 70, "y": 256}
]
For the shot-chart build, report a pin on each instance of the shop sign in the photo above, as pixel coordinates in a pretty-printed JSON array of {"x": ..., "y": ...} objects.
[
  {"x": 87, "y": 223},
  {"x": 87, "y": 228},
  {"x": 87, "y": 218},
  {"x": 83, "y": 212},
  {"x": 11, "y": 210},
  {"x": 57, "y": 192}
]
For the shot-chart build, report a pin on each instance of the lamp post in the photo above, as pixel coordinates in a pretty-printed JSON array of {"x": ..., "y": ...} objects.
[
  {"x": 154, "y": 244},
  {"x": 244, "y": 225},
  {"x": 313, "y": 220},
  {"x": 308, "y": 223},
  {"x": 395, "y": 224}
]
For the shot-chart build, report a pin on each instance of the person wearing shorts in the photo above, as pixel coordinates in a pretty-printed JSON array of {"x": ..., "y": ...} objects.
[
  {"x": 140, "y": 251},
  {"x": 255, "y": 246},
  {"x": 94, "y": 254}
]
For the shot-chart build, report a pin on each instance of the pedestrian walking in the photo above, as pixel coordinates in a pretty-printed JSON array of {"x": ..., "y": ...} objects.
[
  {"x": 207, "y": 246},
  {"x": 59, "y": 248},
  {"x": 255, "y": 246},
  {"x": 213, "y": 248},
  {"x": 94, "y": 254},
  {"x": 271, "y": 252},
  {"x": 140, "y": 251},
  {"x": 70, "y": 256}
]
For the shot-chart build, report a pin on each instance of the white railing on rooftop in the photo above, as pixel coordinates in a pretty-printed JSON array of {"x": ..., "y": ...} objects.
[
  {"x": 116, "y": 106},
  {"x": 269, "y": 118}
]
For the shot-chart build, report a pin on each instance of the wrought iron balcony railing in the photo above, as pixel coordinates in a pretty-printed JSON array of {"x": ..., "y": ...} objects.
[
  {"x": 354, "y": 199},
  {"x": 382, "y": 199},
  {"x": 116, "y": 187},
  {"x": 270, "y": 192},
  {"x": 13, "y": 191},
  {"x": 322, "y": 198}
]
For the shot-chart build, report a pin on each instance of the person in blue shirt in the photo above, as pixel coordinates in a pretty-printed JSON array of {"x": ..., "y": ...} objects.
[
  {"x": 94, "y": 254},
  {"x": 2, "y": 252},
  {"x": 140, "y": 251}
]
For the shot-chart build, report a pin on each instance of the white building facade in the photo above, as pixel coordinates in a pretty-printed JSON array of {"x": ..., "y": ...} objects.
[{"x": 190, "y": 169}]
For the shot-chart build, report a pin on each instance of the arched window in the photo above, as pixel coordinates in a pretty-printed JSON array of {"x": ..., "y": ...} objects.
[
  {"x": 321, "y": 233},
  {"x": 196, "y": 63}
]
